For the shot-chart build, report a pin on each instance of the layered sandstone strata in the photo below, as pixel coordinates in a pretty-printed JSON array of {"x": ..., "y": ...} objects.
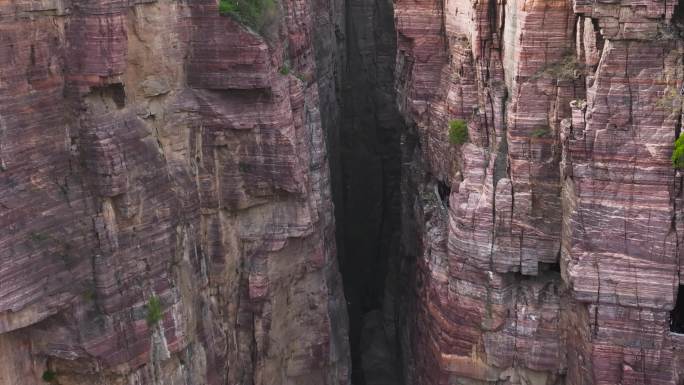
[
  {"x": 556, "y": 260},
  {"x": 155, "y": 149}
]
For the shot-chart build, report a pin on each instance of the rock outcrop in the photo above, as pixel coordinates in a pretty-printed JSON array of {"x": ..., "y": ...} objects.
[
  {"x": 157, "y": 150},
  {"x": 557, "y": 259}
]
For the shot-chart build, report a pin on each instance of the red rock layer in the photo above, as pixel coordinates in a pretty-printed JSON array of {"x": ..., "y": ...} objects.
[
  {"x": 155, "y": 149},
  {"x": 567, "y": 163}
]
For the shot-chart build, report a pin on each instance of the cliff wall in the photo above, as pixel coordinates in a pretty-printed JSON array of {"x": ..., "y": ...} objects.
[
  {"x": 153, "y": 152},
  {"x": 154, "y": 149},
  {"x": 555, "y": 259}
]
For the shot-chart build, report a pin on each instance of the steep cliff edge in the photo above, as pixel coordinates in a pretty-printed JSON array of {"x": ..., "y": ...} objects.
[
  {"x": 556, "y": 257},
  {"x": 156, "y": 153}
]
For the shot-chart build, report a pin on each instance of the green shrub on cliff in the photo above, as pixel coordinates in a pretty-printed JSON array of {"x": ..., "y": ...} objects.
[
  {"x": 678, "y": 153},
  {"x": 227, "y": 7},
  {"x": 458, "y": 131},
  {"x": 49, "y": 376},
  {"x": 671, "y": 100},
  {"x": 260, "y": 15},
  {"x": 567, "y": 68},
  {"x": 541, "y": 132},
  {"x": 154, "y": 311}
]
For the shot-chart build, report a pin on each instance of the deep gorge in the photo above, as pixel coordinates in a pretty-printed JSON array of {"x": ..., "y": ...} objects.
[
  {"x": 340, "y": 192},
  {"x": 368, "y": 208}
]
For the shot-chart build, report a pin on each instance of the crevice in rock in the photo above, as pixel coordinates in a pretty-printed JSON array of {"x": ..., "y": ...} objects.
[
  {"x": 678, "y": 15},
  {"x": 444, "y": 192},
  {"x": 367, "y": 161},
  {"x": 111, "y": 96},
  {"x": 600, "y": 42},
  {"x": 543, "y": 266},
  {"x": 677, "y": 314}
]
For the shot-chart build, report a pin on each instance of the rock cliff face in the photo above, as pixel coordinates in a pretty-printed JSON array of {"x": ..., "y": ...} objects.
[
  {"x": 154, "y": 149},
  {"x": 555, "y": 259},
  {"x": 153, "y": 152}
]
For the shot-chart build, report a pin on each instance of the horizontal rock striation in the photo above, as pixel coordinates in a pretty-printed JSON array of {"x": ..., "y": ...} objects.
[
  {"x": 155, "y": 150},
  {"x": 556, "y": 260}
]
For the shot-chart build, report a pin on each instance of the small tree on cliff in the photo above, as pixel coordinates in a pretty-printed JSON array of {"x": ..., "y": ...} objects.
[
  {"x": 49, "y": 376},
  {"x": 678, "y": 153},
  {"x": 154, "y": 311},
  {"x": 458, "y": 131}
]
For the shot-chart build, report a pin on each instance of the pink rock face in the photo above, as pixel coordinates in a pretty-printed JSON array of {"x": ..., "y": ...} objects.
[
  {"x": 557, "y": 259},
  {"x": 155, "y": 149}
]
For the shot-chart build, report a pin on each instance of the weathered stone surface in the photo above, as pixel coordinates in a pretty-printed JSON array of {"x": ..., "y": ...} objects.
[
  {"x": 620, "y": 253},
  {"x": 153, "y": 148},
  {"x": 557, "y": 261}
]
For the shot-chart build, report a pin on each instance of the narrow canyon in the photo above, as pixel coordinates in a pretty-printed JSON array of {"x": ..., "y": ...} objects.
[{"x": 341, "y": 192}]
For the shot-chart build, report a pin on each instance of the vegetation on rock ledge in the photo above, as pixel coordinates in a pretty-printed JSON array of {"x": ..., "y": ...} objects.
[
  {"x": 260, "y": 15},
  {"x": 154, "y": 311},
  {"x": 541, "y": 132},
  {"x": 567, "y": 68},
  {"x": 678, "y": 153},
  {"x": 49, "y": 376},
  {"x": 458, "y": 131},
  {"x": 671, "y": 100}
]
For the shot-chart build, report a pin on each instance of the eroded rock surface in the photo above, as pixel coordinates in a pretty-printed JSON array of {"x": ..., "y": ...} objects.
[
  {"x": 557, "y": 259},
  {"x": 152, "y": 149},
  {"x": 156, "y": 149}
]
